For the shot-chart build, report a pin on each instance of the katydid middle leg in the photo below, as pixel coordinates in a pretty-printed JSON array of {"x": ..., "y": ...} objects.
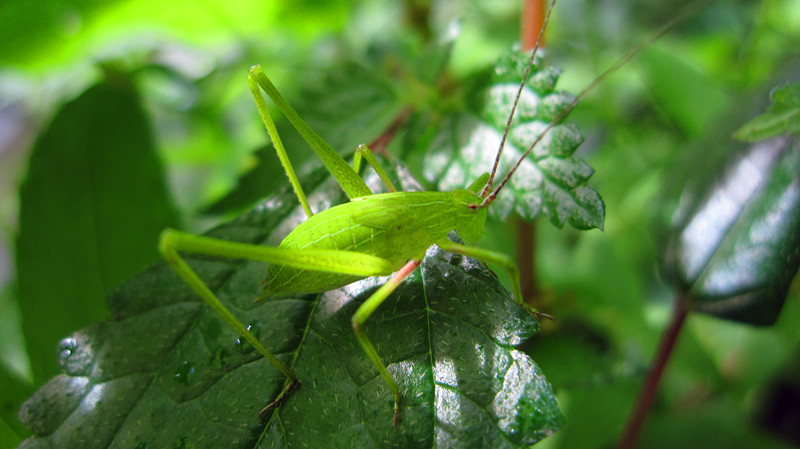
[
  {"x": 488, "y": 256},
  {"x": 364, "y": 152}
]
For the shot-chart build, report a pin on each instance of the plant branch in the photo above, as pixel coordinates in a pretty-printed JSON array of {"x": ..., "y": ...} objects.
[
  {"x": 533, "y": 14},
  {"x": 650, "y": 385}
]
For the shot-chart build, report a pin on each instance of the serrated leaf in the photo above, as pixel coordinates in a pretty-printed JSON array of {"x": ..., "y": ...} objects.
[
  {"x": 167, "y": 372},
  {"x": 94, "y": 195},
  {"x": 550, "y": 180},
  {"x": 736, "y": 247},
  {"x": 783, "y": 116}
]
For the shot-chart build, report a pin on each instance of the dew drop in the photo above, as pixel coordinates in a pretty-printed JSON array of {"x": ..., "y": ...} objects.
[
  {"x": 66, "y": 348},
  {"x": 241, "y": 344},
  {"x": 142, "y": 446},
  {"x": 184, "y": 373}
]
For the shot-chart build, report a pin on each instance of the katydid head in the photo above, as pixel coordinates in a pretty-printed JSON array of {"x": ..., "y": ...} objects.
[{"x": 470, "y": 217}]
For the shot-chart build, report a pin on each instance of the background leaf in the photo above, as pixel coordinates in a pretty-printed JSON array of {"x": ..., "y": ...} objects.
[
  {"x": 93, "y": 169},
  {"x": 700, "y": 101},
  {"x": 167, "y": 371},
  {"x": 13, "y": 390},
  {"x": 737, "y": 248}
]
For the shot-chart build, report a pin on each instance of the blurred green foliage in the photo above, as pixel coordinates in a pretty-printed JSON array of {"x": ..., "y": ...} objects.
[{"x": 662, "y": 119}]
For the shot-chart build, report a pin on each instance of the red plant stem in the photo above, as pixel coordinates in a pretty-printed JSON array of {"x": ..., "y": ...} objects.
[
  {"x": 533, "y": 13},
  {"x": 650, "y": 385}
]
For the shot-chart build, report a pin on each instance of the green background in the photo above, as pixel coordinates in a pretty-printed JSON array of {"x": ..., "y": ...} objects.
[{"x": 662, "y": 119}]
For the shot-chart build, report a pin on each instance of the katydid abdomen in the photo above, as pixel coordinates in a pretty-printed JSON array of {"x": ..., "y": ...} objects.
[{"x": 398, "y": 227}]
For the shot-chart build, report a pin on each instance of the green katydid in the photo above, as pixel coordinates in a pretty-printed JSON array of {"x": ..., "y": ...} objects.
[{"x": 371, "y": 235}]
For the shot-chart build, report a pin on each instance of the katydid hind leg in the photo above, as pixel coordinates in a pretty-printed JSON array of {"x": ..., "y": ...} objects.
[
  {"x": 172, "y": 242},
  {"x": 348, "y": 179},
  {"x": 272, "y": 131},
  {"x": 169, "y": 249}
]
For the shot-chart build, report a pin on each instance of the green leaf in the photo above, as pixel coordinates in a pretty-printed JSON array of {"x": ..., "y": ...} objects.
[
  {"x": 550, "y": 180},
  {"x": 94, "y": 196},
  {"x": 782, "y": 117},
  {"x": 166, "y": 371},
  {"x": 736, "y": 247},
  {"x": 689, "y": 98}
]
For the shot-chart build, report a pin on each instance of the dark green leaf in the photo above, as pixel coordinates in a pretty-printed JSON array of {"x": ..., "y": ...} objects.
[
  {"x": 550, "y": 180},
  {"x": 736, "y": 248},
  {"x": 94, "y": 196},
  {"x": 782, "y": 117},
  {"x": 167, "y": 372}
]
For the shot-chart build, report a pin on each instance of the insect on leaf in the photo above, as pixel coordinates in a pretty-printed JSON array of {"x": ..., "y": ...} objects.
[
  {"x": 550, "y": 180},
  {"x": 165, "y": 371}
]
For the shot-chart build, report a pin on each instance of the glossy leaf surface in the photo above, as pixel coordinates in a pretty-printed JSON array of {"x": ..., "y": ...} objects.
[
  {"x": 167, "y": 372},
  {"x": 737, "y": 248}
]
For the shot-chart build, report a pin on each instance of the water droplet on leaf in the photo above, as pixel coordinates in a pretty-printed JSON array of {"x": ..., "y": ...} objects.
[
  {"x": 241, "y": 344},
  {"x": 66, "y": 348},
  {"x": 184, "y": 373}
]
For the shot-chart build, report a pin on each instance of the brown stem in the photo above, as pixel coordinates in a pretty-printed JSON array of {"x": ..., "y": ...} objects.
[
  {"x": 379, "y": 144},
  {"x": 650, "y": 385},
  {"x": 526, "y": 261},
  {"x": 533, "y": 13}
]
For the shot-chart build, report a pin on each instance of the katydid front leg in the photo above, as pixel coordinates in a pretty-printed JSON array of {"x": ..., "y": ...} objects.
[{"x": 363, "y": 313}]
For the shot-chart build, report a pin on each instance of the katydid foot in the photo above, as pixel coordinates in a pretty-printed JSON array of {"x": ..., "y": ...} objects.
[
  {"x": 396, "y": 411},
  {"x": 290, "y": 386}
]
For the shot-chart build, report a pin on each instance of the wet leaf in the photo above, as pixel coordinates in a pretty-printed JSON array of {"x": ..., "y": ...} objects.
[
  {"x": 167, "y": 372},
  {"x": 550, "y": 180},
  {"x": 736, "y": 247}
]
